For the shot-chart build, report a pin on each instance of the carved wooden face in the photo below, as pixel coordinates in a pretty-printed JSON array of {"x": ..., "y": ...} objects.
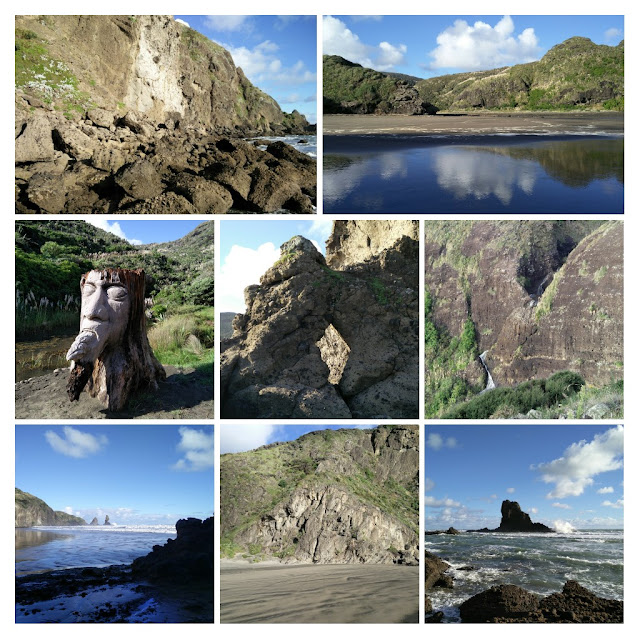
[
  {"x": 103, "y": 317},
  {"x": 104, "y": 303}
]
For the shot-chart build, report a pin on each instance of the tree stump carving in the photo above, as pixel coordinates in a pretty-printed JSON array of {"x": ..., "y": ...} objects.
[{"x": 111, "y": 355}]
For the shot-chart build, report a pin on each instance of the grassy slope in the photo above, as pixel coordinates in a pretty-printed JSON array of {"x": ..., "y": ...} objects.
[{"x": 256, "y": 481}]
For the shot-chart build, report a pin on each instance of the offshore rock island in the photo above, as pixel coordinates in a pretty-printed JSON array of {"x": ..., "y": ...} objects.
[{"x": 142, "y": 114}]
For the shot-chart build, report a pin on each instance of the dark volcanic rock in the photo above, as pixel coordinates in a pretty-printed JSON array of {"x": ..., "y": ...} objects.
[
  {"x": 502, "y": 601},
  {"x": 509, "y": 603},
  {"x": 188, "y": 558},
  {"x": 434, "y": 572},
  {"x": 514, "y": 519},
  {"x": 450, "y": 531},
  {"x": 106, "y": 520}
]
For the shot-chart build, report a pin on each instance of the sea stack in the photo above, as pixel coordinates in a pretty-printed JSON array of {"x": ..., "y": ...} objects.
[
  {"x": 516, "y": 520},
  {"x": 106, "y": 520},
  {"x": 94, "y": 522}
]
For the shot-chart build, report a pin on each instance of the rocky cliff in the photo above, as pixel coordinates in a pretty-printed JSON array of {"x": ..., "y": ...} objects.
[
  {"x": 34, "y": 512},
  {"x": 534, "y": 297},
  {"x": 345, "y": 496},
  {"x": 305, "y": 346},
  {"x": 515, "y": 519},
  {"x": 134, "y": 113}
]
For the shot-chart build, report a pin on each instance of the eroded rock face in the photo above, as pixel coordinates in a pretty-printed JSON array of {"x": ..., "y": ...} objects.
[
  {"x": 155, "y": 124},
  {"x": 514, "y": 519},
  {"x": 343, "y": 497},
  {"x": 544, "y": 296},
  {"x": 284, "y": 360}
]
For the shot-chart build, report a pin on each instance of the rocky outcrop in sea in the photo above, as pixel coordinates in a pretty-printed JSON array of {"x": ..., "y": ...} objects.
[{"x": 515, "y": 520}]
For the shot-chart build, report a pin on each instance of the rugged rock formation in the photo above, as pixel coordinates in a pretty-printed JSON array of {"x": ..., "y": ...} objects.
[
  {"x": 184, "y": 560},
  {"x": 434, "y": 577},
  {"x": 345, "y": 496},
  {"x": 514, "y": 519},
  {"x": 509, "y": 603},
  {"x": 351, "y": 88},
  {"x": 34, "y": 512},
  {"x": 94, "y": 522},
  {"x": 111, "y": 355},
  {"x": 135, "y": 114},
  {"x": 535, "y": 297},
  {"x": 106, "y": 521},
  {"x": 306, "y": 348}
]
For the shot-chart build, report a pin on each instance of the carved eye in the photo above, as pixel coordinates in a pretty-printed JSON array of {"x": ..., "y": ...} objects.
[
  {"x": 88, "y": 289},
  {"x": 117, "y": 293}
]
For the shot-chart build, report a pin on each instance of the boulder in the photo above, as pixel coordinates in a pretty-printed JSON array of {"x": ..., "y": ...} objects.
[
  {"x": 46, "y": 190},
  {"x": 140, "y": 180},
  {"x": 502, "y": 601},
  {"x": 33, "y": 141}
]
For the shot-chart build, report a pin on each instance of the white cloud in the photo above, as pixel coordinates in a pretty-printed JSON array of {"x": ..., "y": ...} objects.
[
  {"x": 429, "y": 484},
  {"x": 581, "y": 461},
  {"x": 69, "y": 510},
  {"x": 605, "y": 490},
  {"x": 365, "y": 18},
  {"x": 262, "y": 65},
  {"x": 181, "y": 21},
  {"x": 560, "y": 505},
  {"x": 430, "y": 501},
  {"x": 197, "y": 447},
  {"x": 338, "y": 39},
  {"x": 228, "y": 23},
  {"x": 511, "y": 490},
  {"x": 435, "y": 441},
  {"x": 75, "y": 443},
  {"x": 242, "y": 267},
  {"x": 618, "y": 504},
  {"x": 480, "y": 46},
  {"x": 533, "y": 510},
  {"x": 612, "y": 34},
  {"x": 494, "y": 496},
  {"x": 235, "y": 438},
  {"x": 111, "y": 228}
]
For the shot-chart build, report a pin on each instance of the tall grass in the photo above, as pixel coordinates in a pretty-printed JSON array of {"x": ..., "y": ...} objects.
[
  {"x": 185, "y": 337},
  {"x": 35, "y": 316}
]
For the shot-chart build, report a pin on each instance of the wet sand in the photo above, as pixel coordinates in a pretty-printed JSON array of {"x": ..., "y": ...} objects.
[
  {"x": 469, "y": 124},
  {"x": 303, "y": 593}
]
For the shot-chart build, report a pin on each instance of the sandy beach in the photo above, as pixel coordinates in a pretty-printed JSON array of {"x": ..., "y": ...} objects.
[
  {"x": 318, "y": 593},
  {"x": 586, "y": 123}
]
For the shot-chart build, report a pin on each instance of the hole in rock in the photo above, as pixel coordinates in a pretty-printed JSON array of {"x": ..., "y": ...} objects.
[{"x": 334, "y": 352}]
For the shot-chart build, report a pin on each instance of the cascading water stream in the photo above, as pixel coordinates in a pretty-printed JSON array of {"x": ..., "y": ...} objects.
[
  {"x": 541, "y": 286},
  {"x": 490, "y": 383}
]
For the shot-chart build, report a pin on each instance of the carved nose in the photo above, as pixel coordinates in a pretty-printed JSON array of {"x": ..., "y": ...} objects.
[{"x": 96, "y": 307}]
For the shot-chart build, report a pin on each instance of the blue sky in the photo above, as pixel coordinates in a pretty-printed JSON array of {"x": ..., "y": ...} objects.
[
  {"x": 427, "y": 46},
  {"x": 135, "y": 474},
  {"x": 558, "y": 473},
  {"x": 146, "y": 231},
  {"x": 248, "y": 248},
  {"x": 277, "y": 53},
  {"x": 245, "y": 437}
]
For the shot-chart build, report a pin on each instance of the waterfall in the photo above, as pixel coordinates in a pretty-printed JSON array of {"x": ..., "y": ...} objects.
[
  {"x": 541, "y": 286},
  {"x": 490, "y": 383}
]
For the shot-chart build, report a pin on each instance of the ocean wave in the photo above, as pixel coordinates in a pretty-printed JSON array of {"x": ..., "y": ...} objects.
[{"x": 114, "y": 528}]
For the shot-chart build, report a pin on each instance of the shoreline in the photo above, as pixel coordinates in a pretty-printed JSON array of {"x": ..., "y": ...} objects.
[{"x": 477, "y": 124}]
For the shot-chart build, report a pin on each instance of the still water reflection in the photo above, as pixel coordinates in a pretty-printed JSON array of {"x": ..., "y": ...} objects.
[{"x": 374, "y": 174}]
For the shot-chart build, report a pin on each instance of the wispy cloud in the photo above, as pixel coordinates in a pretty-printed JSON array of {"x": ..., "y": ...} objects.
[
  {"x": 436, "y": 442},
  {"x": 511, "y": 490},
  {"x": 234, "y": 439},
  {"x": 560, "y": 505},
  {"x": 618, "y": 504},
  {"x": 605, "y": 490},
  {"x": 612, "y": 34},
  {"x": 197, "y": 448},
  {"x": 75, "y": 443},
  {"x": 229, "y": 23}
]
